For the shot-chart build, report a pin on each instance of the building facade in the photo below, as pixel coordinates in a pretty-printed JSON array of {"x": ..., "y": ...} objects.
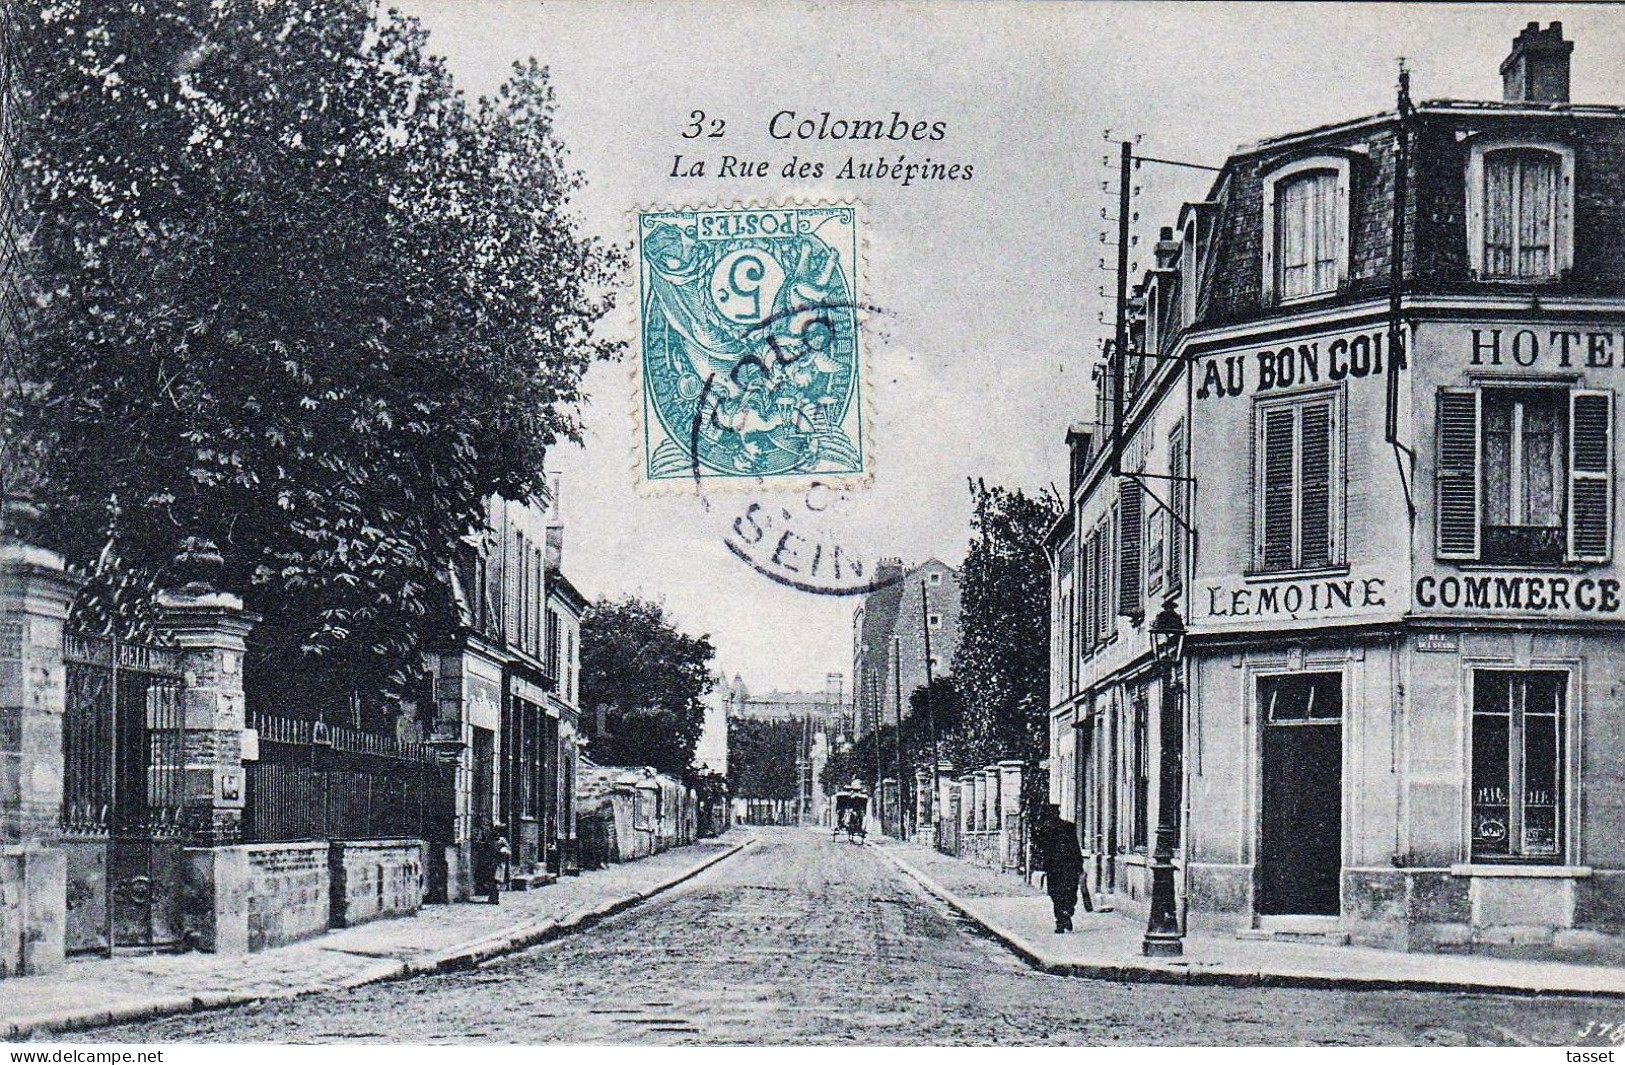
[
  {"x": 1401, "y": 719},
  {"x": 498, "y": 711},
  {"x": 890, "y": 630}
]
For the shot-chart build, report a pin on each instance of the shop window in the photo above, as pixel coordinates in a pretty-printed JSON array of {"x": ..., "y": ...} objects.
[
  {"x": 1306, "y": 220},
  {"x": 1517, "y": 775},
  {"x": 1525, "y": 475},
  {"x": 1297, "y": 480},
  {"x": 1519, "y": 210}
]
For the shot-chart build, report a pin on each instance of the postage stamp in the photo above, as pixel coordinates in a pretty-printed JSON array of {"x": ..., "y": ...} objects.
[{"x": 749, "y": 361}]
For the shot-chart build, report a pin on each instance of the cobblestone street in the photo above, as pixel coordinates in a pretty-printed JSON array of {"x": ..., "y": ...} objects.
[{"x": 799, "y": 940}]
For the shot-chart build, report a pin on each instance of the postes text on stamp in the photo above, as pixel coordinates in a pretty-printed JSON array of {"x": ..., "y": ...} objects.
[{"x": 749, "y": 357}]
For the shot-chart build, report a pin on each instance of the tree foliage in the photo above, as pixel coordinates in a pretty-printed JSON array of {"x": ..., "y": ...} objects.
[
  {"x": 644, "y": 679},
  {"x": 1002, "y": 662},
  {"x": 296, "y": 294},
  {"x": 859, "y": 760},
  {"x": 762, "y": 758}
]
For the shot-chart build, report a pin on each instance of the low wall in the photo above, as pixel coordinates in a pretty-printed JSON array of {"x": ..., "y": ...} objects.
[
  {"x": 374, "y": 878},
  {"x": 287, "y": 889},
  {"x": 982, "y": 848}
]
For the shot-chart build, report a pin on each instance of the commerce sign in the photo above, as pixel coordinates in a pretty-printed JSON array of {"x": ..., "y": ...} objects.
[{"x": 1519, "y": 591}]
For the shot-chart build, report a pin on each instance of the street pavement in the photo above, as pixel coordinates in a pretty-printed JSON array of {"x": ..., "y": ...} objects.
[{"x": 800, "y": 940}]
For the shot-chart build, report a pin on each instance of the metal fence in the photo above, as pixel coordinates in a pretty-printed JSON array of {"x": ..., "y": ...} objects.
[
  {"x": 123, "y": 738},
  {"x": 313, "y": 781}
]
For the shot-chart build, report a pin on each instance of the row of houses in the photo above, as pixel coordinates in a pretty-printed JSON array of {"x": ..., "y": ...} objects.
[
  {"x": 1336, "y": 608},
  {"x": 144, "y": 803}
]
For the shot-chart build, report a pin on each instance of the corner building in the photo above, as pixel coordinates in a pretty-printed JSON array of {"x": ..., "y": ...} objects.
[{"x": 1402, "y": 708}]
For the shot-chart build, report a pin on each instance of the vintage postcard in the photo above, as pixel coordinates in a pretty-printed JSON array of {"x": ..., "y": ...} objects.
[{"x": 763, "y": 523}]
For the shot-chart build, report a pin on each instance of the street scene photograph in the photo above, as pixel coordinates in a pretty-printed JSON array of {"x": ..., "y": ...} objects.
[{"x": 810, "y": 523}]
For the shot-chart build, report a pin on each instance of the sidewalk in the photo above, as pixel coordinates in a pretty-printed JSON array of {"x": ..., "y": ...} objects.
[
  {"x": 95, "y": 991},
  {"x": 1107, "y": 946}
]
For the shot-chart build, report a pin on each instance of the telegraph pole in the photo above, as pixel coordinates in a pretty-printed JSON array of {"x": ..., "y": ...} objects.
[{"x": 930, "y": 711}]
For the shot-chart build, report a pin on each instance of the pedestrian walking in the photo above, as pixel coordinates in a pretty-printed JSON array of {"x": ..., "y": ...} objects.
[
  {"x": 491, "y": 865},
  {"x": 1056, "y": 841}
]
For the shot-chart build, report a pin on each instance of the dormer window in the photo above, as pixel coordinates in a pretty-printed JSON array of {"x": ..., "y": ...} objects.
[
  {"x": 1306, "y": 220},
  {"x": 1520, "y": 198}
]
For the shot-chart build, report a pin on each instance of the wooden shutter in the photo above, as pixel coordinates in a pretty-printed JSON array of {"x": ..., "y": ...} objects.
[
  {"x": 1315, "y": 546},
  {"x": 1130, "y": 523},
  {"x": 1275, "y": 484},
  {"x": 1591, "y": 475},
  {"x": 1176, "y": 527},
  {"x": 1457, "y": 484}
]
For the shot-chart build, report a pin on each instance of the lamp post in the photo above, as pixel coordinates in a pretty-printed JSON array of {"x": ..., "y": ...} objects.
[{"x": 1163, "y": 937}]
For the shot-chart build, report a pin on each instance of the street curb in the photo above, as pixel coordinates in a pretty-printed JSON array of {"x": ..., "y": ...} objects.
[
  {"x": 1153, "y": 974},
  {"x": 458, "y": 959}
]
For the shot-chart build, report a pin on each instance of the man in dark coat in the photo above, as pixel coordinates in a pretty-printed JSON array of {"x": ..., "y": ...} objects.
[{"x": 1057, "y": 846}]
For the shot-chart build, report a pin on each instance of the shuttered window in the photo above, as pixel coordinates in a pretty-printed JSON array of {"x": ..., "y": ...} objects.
[
  {"x": 1131, "y": 527},
  {"x": 1525, "y": 475},
  {"x": 1297, "y": 484},
  {"x": 1458, "y": 485},
  {"x": 1306, "y": 245},
  {"x": 1520, "y": 213},
  {"x": 1591, "y": 475},
  {"x": 1178, "y": 495}
]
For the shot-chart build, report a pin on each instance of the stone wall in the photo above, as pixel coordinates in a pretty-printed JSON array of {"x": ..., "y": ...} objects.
[
  {"x": 374, "y": 878},
  {"x": 32, "y": 885},
  {"x": 287, "y": 889}
]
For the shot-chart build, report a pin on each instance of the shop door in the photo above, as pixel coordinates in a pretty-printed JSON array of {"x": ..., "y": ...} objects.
[{"x": 1300, "y": 852}]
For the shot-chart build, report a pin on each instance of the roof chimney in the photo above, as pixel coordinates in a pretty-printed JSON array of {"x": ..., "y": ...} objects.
[{"x": 1537, "y": 70}]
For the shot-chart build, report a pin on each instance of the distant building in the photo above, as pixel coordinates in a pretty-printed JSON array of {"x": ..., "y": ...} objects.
[
  {"x": 823, "y": 719},
  {"x": 890, "y": 630}
]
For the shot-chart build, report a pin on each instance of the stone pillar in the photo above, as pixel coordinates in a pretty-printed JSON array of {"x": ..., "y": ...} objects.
[
  {"x": 979, "y": 803},
  {"x": 35, "y": 595},
  {"x": 209, "y": 629},
  {"x": 944, "y": 784},
  {"x": 1010, "y": 814},
  {"x": 967, "y": 805}
]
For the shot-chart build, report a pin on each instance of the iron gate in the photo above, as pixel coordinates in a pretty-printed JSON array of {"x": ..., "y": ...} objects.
[{"x": 124, "y": 765}]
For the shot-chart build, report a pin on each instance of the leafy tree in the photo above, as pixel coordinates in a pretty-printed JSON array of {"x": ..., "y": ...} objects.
[
  {"x": 297, "y": 295},
  {"x": 762, "y": 758},
  {"x": 642, "y": 681},
  {"x": 1002, "y": 661}
]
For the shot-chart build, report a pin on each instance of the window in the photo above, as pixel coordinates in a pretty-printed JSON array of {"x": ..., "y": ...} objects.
[
  {"x": 1301, "y": 698},
  {"x": 935, "y": 621},
  {"x": 1517, "y": 783},
  {"x": 934, "y": 579},
  {"x": 1306, "y": 226},
  {"x": 1519, "y": 210},
  {"x": 1140, "y": 770},
  {"x": 1524, "y": 475},
  {"x": 1297, "y": 483}
]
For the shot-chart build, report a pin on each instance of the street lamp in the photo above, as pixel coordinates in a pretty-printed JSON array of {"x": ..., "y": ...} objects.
[{"x": 1163, "y": 938}]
